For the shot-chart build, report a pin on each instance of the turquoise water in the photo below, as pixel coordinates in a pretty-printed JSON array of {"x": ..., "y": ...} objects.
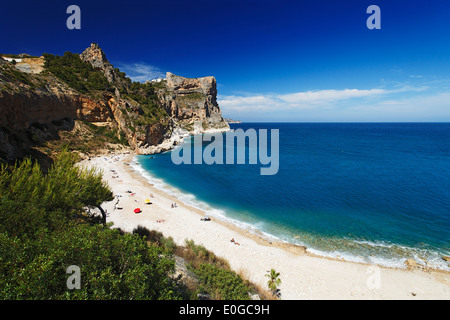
[{"x": 367, "y": 192}]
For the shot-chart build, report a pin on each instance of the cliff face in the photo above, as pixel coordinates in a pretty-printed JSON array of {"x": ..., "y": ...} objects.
[
  {"x": 193, "y": 100},
  {"x": 20, "y": 109},
  {"x": 27, "y": 98},
  {"x": 95, "y": 56}
]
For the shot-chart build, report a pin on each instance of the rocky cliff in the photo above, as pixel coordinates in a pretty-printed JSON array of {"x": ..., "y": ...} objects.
[
  {"x": 192, "y": 99},
  {"x": 74, "y": 87},
  {"x": 95, "y": 56}
]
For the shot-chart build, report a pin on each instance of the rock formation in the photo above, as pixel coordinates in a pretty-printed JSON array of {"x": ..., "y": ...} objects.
[
  {"x": 28, "y": 98},
  {"x": 95, "y": 56},
  {"x": 193, "y": 100}
]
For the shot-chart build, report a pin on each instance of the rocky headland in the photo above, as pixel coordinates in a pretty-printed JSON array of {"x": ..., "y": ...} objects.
[{"x": 42, "y": 96}]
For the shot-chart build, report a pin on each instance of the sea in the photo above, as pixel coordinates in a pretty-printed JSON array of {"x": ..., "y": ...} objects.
[{"x": 375, "y": 193}]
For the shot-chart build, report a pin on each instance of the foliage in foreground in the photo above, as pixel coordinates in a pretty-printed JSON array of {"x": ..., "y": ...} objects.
[
  {"x": 214, "y": 274},
  {"x": 43, "y": 231},
  {"x": 112, "y": 265},
  {"x": 221, "y": 283}
]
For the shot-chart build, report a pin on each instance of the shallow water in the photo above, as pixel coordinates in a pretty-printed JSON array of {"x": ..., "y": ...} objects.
[{"x": 367, "y": 192}]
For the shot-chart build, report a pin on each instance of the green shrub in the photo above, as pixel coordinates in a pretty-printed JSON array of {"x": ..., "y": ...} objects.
[
  {"x": 79, "y": 75},
  {"x": 220, "y": 283},
  {"x": 43, "y": 231}
]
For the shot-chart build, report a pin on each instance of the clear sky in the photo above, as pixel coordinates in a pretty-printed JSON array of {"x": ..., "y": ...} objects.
[{"x": 273, "y": 60}]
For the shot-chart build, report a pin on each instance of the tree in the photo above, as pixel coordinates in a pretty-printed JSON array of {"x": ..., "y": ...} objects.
[
  {"x": 30, "y": 200},
  {"x": 274, "y": 281},
  {"x": 41, "y": 235}
]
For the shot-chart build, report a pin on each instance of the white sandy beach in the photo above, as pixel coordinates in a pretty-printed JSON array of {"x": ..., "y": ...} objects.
[{"x": 303, "y": 276}]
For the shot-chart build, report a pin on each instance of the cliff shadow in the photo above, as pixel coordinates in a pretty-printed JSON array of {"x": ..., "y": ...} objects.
[{"x": 15, "y": 145}]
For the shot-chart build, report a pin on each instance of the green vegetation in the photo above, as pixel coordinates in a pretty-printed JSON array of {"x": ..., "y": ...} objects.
[
  {"x": 79, "y": 75},
  {"x": 145, "y": 95},
  {"x": 82, "y": 77},
  {"x": 13, "y": 75},
  {"x": 44, "y": 229},
  {"x": 110, "y": 134},
  {"x": 274, "y": 281},
  {"x": 214, "y": 275},
  {"x": 221, "y": 283}
]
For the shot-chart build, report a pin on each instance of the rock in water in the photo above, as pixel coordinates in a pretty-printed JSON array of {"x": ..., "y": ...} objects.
[{"x": 411, "y": 263}]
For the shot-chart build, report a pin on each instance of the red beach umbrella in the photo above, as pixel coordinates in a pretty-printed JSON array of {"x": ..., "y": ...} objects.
[{"x": 137, "y": 210}]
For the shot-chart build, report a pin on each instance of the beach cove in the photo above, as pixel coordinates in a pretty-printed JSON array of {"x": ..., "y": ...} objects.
[{"x": 303, "y": 275}]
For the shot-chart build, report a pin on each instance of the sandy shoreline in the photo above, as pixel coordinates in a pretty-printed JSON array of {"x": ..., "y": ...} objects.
[{"x": 303, "y": 275}]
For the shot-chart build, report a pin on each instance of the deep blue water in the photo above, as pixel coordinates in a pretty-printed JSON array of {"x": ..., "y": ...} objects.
[{"x": 369, "y": 192}]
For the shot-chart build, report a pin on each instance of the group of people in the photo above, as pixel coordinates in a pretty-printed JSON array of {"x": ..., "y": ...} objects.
[
  {"x": 115, "y": 175},
  {"x": 174, "y": 205}
]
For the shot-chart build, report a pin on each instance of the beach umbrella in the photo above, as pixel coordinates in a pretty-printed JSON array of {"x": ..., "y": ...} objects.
[
  {"x": 147, "y": 201},
  {"x": 137, "y": 210}
]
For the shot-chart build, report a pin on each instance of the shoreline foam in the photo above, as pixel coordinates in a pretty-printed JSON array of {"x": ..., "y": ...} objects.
[
  {"x": 382, "y": 261},
  {"x": 304, "y": 275}
]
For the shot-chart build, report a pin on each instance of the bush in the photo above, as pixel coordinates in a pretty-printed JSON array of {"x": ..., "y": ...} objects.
[
  {"x": 113, "y": 266},
  {"x": 42, "y": 232},
  {"x": 79, "y": 75},
  {"x": 220, "y": 283},
  {"x": 198, "y": 254}
]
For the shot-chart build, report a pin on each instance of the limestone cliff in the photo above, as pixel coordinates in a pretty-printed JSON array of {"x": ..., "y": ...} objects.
[
  {"x": 192, "y": 99},
  {"x": 95, "y": 56},
  {"x": 147, "y": 115}
]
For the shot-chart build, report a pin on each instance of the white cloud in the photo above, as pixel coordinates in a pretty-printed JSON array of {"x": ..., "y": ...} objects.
[
  {"x": 298, "y": 100},
  {"x": 405, "y": 103},
  {"x": 323, "y": 96},
  {"x": 141, "y": 71}
]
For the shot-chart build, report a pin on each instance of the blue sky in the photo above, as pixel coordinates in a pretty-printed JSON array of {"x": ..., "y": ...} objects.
[{"x": 273, "y": 60}]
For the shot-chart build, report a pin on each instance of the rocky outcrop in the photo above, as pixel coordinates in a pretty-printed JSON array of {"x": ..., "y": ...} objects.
[
  {"x": 28, "y": 98},
  {"x": 411, "y": 264},
  {"x": 20, "y": 109},
  {"x": 95, "y": 56},
  {"x": 31, "y": 65},
  {"x": 190, "y": 100}
]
